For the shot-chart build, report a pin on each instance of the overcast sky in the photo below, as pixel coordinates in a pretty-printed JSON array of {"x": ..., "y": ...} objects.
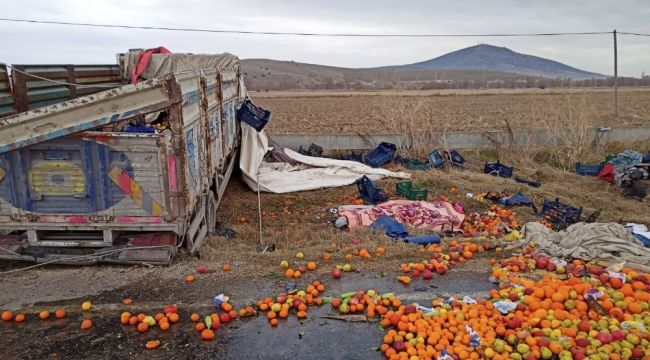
[{"x": 31, "y": 43}]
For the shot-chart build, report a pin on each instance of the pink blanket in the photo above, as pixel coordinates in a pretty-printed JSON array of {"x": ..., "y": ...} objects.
[{"x": 439, "y": 215}]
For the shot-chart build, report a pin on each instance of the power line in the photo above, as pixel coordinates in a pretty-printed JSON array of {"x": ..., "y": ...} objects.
[
  {"x": 225, "y": 31},
  {"x": 80, "y": 86},
  {"x": 631, "y": 33}
]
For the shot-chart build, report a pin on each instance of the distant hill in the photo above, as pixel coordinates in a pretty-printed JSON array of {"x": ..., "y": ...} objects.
[
  {"x": 473, "y": 67},
  {"x": 501, "y": 59}
]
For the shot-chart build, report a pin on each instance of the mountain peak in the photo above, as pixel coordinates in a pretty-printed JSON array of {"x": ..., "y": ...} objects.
[{"x": 501, "y": 59}]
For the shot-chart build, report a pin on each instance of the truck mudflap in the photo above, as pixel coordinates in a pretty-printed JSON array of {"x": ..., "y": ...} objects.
[{"x": 142, "y": 248}]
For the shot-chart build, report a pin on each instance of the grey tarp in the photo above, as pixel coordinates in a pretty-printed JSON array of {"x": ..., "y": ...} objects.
[
  {"x": 597, "y": 241},
  {"x": 163, "y": 64}
]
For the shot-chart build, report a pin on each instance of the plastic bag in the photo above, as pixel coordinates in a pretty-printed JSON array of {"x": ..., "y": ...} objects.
[{"x": 505, "y": 306}]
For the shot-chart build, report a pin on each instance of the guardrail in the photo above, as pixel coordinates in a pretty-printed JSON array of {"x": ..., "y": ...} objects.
[{"x": 461, "y": 140}]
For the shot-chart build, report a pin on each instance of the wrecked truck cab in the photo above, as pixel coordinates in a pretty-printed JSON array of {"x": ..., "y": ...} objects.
[{"x": 75, "y": 188}]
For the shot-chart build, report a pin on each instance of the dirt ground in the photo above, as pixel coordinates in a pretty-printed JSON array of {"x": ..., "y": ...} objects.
[
  {"x": 292, "y": 222},
  {"x": 450, "y": 110}
]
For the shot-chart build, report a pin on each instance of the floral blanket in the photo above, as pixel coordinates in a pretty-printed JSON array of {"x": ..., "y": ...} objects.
[{"x": 439, "y": 215}]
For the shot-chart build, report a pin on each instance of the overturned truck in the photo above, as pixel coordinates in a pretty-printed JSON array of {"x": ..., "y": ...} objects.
[{"x": 126, "y": 175}]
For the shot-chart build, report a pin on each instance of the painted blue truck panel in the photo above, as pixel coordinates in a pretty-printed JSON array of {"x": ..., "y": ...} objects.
[{"x": 64, "y": 169}]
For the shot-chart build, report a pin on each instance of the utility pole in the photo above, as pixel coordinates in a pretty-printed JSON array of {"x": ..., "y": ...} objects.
[{"x": 615, "y": 76}]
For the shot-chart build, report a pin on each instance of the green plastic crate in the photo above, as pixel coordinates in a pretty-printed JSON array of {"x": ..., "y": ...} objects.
[{"x": 411, "y": 191}]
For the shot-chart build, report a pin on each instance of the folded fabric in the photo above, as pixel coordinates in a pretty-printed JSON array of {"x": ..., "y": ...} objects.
[
  {"x": 517, "y": 199},
  {"x": 440, "y": 216},
  {"x": 597, "y": 241},
  {"x": 396, "y": 230},
  {"x": 423, "y": 239},
  {"x": 390, "y": 226}
]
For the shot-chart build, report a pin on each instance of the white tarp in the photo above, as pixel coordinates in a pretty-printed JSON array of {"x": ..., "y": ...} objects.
[{"x": 311, "y": 173}]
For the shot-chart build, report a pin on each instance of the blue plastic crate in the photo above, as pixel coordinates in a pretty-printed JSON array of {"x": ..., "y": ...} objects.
[
  {"x": 435, "y": 159},
  {"x": 139, "y": 129},
  {"x": 559, "y": 214},
  {"x": 253, "y": 115},
  {"x": 588, "y": 170},
  {"x": 380, "y": 155},
  {"x": 370, "y": 192},
  {"x": 498, "y": 169},
  {"x": 455, "y": 158}
]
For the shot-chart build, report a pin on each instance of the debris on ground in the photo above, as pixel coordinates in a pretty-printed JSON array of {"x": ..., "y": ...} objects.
[{"x": 596, "y": 241}]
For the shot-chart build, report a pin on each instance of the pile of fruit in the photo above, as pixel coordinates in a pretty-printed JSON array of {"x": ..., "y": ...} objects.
[
  {"x": 283, "y": 304},
  {"x": 595, "y": 317},
  {"x": 369, "y": 302},
  {"x": 213, "y": 321},
  {"x": 495, "y": 222},
  {"x": 440, "y": 261}
]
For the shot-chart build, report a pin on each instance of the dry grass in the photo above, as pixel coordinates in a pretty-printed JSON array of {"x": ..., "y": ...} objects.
[
  {"x": 359, "y": 112},
  {"x": 302, "y": 220}
]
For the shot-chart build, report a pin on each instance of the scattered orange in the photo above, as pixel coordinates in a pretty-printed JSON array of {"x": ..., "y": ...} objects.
[
  {"x": 152, "y": 344},
  {"x": 87, "y": 324}
]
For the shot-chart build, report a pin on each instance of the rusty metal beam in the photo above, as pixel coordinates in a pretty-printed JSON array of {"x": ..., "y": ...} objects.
[
  {"x": 82, "y": 114},
  {"x": 21, "y": 103}
]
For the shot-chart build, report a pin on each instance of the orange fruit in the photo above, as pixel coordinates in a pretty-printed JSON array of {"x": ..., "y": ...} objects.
[
  {"x": 274, "y": 322},
  {"x": 189, "y": 278},
  {"x": 194, "y": 317},
  {"x": 152, "y": 344},
  {"x": 226, "y": 267},
  {"x": 7, "y": 316},
  {"x": 20, "y": 318},
  {"x": 380, "y": 250},
  {"x": 311, "y": 266},
  {"x": 301, "y": 314},
  {"x": 271, "y": 315},
  {"x": 44, "y": 315},
  {"x": 87, "y": 324},
  {"x": 199, "y": 326},
  {"x": 207, "y": 334},
  {"x": 173, "y": 317},
  {"x": 634, "y": 308},
  {"x": 226, "y": 307},
  {"x": 143, "y": 326},
  {"x": 164, "y": 325},
  {"x": 289, "y": 273}
]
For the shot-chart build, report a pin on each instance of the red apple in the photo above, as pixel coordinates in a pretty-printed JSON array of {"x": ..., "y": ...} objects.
[
  {"x": 224, "y": 318},
  {"x": 336, "y": 274},
  {"x": 202, "y": 269},
  {"x": 427, "y": 274}
]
